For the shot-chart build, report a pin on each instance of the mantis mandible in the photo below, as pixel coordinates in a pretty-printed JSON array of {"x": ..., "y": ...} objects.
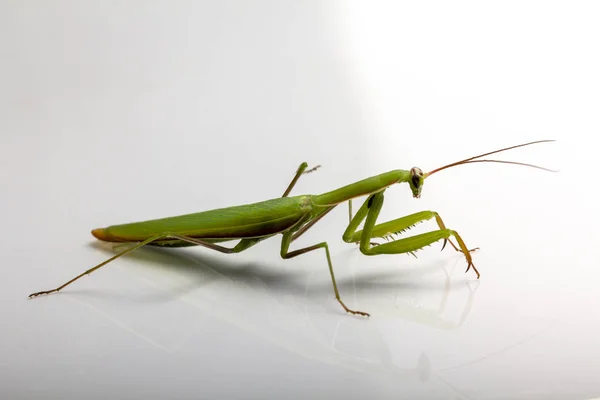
[{"x": 293, "y": 216}]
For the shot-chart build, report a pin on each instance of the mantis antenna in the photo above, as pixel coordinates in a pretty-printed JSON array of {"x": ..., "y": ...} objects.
[{"x": 472, "y": 160}]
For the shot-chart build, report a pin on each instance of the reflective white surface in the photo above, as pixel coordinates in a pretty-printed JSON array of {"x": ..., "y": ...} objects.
[{"x": 114, "y": 113}]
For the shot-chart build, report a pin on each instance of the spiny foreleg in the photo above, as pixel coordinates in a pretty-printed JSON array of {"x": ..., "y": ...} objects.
[{"x": 370, "y": 210}]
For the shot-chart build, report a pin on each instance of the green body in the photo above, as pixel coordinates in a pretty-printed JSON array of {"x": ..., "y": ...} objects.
[
  {"x": 257, "y": 220},
  {"x": 261, "y": 219},
  {"x": 289, "y": 216},
  {"x": 292, "y": 217}
]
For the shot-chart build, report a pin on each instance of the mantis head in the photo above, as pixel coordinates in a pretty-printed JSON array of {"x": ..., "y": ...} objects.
[
  {"x": 417, "y": 177},
  {"x": 416, "y": 181}
]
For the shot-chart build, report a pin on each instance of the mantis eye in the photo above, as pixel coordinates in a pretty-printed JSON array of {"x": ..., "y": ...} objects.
[
  {"x": 415, "y": 181},
  {"x": 416, "y": 176}
]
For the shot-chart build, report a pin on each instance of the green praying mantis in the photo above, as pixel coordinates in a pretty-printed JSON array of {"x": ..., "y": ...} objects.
[{"x": 293, "y": 216}]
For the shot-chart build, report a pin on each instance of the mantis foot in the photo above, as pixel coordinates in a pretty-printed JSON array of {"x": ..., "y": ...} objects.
[
  {"x": 456, "y": 248},
  {"x": 353, "y": 311},
  {"x": 474, "y": 269},
  {"x": 466, "y": 252},
  {"x": 36, "y": 294},
  {"x": 313, "y": 169}
]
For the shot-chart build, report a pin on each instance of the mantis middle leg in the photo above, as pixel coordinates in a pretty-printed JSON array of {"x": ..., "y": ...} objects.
[
  {"x": 301, "y": 170},
  {"x": 285, "y": 245}
]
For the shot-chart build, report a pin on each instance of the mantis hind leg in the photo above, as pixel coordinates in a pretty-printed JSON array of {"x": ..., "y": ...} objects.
[
  {"x": 241, "y": 246},
  {"x": 370, "y": 210},
  {"x": 285, "y": 244},
  {"x": 301, "y": 170}
]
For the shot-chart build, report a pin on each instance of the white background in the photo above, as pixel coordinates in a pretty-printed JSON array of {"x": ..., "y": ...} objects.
[{"x": 113, "y": 112}]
